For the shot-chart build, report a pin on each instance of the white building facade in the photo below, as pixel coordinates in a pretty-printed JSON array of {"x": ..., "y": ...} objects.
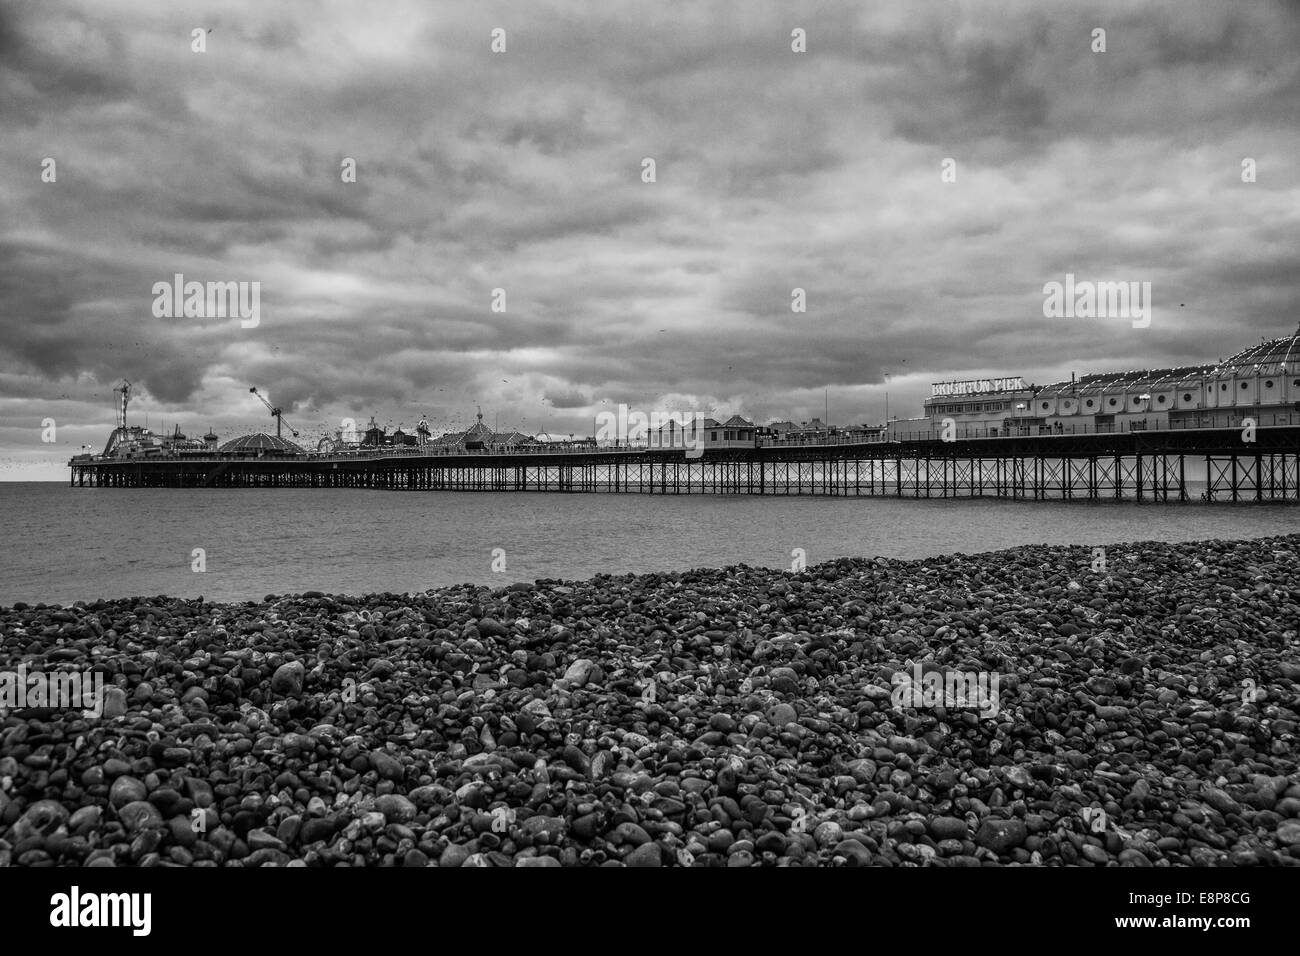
[{"x": 1260, "y": 383}]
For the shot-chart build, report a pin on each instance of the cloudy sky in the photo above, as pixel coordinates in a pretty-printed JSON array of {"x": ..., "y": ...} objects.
[{"x": 523, "y": 171}]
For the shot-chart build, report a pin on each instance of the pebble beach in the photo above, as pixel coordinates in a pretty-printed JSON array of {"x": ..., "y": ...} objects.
[{"x": 1146, "y": 716}]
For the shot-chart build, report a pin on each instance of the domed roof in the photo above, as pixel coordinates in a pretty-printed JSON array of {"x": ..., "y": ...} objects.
[
  {"x": 262, "y": 442},
  {"x": 1275, "y": 352}
]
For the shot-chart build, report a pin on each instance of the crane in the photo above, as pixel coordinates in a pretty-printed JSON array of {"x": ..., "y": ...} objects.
[{"x": 275, "y": 413}]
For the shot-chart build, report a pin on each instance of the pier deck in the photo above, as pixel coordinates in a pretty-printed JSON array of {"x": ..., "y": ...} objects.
[{"x": 1140, "y": 466}]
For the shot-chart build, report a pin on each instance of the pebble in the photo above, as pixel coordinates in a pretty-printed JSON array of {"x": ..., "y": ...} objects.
[
  {"x": 579, "y": 672},
  {"x": 854, "y": 853},
  {"x": 115, "y": 703},
  {"x": 828, "y": 833},
  {"x": 1094, "y": 854},
  {"x": 126, "y": 790},
  {"x": 548, "y": 827},
  {"x": 722, "y": 723},
  {"x": 949, "y": 828},
  {"x": 782, "y": 714},
  {"x": 287, "y": 679},
  {"x": 647, "y": 854},
  {"x": 1000, "y": 836},
  {"x": 40, "y": 819},
  {"x": 454, "y": 856},
  {"x": 260, "y": 840},
  {"x": 720, "y": 841},
  {"x": 512, "y": 727},
  {"x": 395, "y": 808},
  {"x": 632, "y": 833},
  {"x": 386, "y": 765},
  {"x": 317, "y": 829},
  {"x": 140, "y": 815},
  {"x": 489, "y": 627}
]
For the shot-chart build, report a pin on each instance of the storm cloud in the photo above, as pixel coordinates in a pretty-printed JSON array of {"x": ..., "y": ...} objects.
[{"x": 521, "y": 171}]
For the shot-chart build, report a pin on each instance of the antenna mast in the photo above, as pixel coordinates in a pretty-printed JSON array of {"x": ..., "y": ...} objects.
[{"x": 125, "y": 389}]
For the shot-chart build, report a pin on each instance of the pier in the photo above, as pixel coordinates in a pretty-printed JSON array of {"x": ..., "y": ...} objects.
[{"x": 1150, "y": 466}]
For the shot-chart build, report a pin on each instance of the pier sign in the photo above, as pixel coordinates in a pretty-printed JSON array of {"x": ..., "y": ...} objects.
[{"x": 976, "y": 385}]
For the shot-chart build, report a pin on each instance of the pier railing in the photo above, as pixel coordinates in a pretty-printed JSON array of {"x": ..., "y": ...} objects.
[
  {"x": 435, "y": 452},
  {"x": 1266, "y": 420}
]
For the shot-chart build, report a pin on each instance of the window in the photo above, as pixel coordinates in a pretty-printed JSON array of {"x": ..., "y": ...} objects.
[
  {"x": 1091, "y": 403},
  {"x": 1269, "y": 383},
  {"x": 1223, "y": 387},
  {"x": 1046, "y": 405},
  {"x": 1160, "y": 399},
  {"x": 713, "y": 436},
  {"x": 1112, "y": 401},
  {"x": 1187, "y": 396},
  {"x": 1244, "y": 384}
]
